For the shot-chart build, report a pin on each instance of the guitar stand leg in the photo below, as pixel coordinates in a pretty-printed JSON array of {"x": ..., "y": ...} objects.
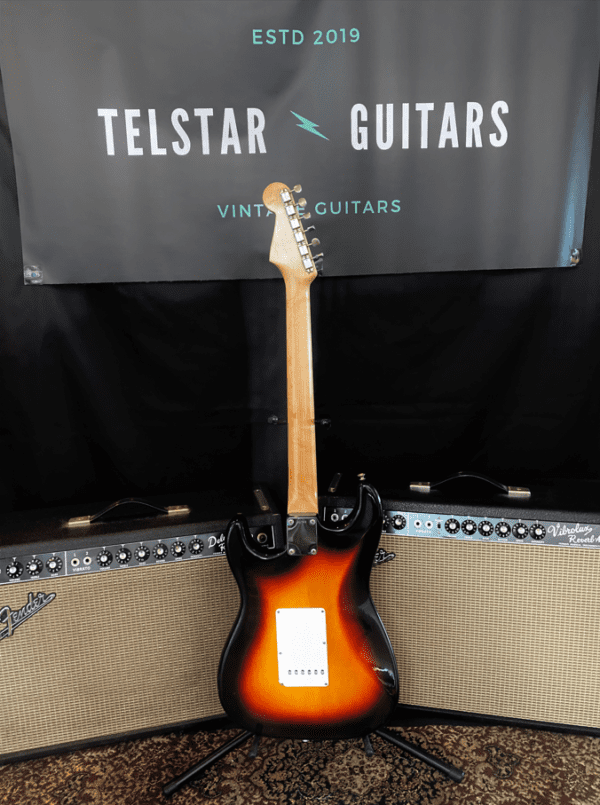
[
  {"x": 254, "y": 748},
  {"x": 446, "y": 768},
  {"x": 369, "y": 751},
  {"x": 207, "y": 762}
]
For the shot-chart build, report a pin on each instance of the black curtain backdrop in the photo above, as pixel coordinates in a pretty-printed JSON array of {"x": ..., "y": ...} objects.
[{"x": 112, "y": 391}]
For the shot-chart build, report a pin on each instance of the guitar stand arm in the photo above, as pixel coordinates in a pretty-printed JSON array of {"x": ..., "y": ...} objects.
[
  {"x": 446, "y": 768},
  {"x": 205, "y": 763}
]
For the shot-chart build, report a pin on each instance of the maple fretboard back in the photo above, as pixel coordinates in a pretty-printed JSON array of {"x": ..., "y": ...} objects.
[{"x": 285, "y": 254}]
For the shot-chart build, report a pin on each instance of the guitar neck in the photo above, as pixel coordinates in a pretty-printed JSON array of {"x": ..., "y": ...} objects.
[
  {"x": 290, "y": 252},
  {"x": 302, "y": 461}
]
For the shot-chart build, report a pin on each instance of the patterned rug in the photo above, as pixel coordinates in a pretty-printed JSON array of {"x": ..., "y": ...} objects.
[{"x": 503, "y": 766}]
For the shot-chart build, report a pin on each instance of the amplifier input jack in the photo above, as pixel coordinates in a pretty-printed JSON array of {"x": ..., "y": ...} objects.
[
  {"x": 87, "y": 560},
  {"x": 74, "y": 562},
  {"x": 335, "y": 517},
  {"x": 262, "y": 538}
]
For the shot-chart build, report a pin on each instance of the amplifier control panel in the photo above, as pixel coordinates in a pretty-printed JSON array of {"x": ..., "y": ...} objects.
[
  {"x": 119, "y": 556},
  {"x": 466, "y": 526}
]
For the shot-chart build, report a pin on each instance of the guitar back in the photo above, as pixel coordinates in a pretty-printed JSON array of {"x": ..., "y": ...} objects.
[{"x": 344, "y": 689}]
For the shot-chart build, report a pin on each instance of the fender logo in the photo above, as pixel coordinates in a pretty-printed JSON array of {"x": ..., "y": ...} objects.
[
  {"x": 11, "y": 619},
  {"x": 383, "y": 556}
]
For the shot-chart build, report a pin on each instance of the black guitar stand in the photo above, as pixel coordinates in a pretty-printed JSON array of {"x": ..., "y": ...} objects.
[{"x": 194, "y": 771}]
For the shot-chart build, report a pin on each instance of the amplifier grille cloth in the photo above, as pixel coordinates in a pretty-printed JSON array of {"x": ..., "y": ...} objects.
[
  {"x": 506, "y": 630},
  {"x": 115, "y": 653}
]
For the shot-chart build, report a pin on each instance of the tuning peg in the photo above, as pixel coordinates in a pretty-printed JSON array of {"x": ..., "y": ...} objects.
[
  {"x": 306, "y": 215},
  {"x": 315, "y": 242},
  {"x": 301, "y": 202},
  {"x": 308, "y": 228},
  {"x": 297, "y": 188}
]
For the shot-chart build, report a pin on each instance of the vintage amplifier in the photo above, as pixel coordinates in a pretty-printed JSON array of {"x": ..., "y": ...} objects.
[
  {"x": 490, "y": 600},
  {"x": 114, "y": 627}
]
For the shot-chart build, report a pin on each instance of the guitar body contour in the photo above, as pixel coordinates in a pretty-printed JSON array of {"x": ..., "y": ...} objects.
[{"x": 362, "y": 688}]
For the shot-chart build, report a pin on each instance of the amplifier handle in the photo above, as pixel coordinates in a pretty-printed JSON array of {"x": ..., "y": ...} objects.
[
  {"x": 512, "y": 491},
  {"x": 88, "y": 519}
]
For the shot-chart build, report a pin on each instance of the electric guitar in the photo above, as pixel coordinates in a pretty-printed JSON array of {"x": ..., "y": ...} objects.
[{"x": 308, "y": 656}]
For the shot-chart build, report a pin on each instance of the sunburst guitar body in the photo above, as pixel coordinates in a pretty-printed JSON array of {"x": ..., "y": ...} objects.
[{"x": 308, "y": 656}]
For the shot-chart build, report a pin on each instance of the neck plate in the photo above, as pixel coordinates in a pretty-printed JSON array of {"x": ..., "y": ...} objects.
[{"x": 302, "y": 535}]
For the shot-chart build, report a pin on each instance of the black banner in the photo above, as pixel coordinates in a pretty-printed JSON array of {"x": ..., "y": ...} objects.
[{"x": 436, "y": 136}]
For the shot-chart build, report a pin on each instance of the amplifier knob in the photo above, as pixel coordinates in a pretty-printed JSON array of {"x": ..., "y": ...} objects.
[
  {"x": 104, "y": 558},
  {"x": 537, "y": 531},
  {"x": 178, "y": 548},
  {"x": 160, "y": 551},
  {"x": 486, "y": 528},
  {"x": 142, "y": 553},
  {"x": 399, "y": 522},
  {"x": 469, "y": 527},
  {"x": 14, "y": 570},
  {"x": 503, "y": 529},
  {"x": 196, "y": 546},
  {"x": 123, "y": 556},
  {"x": 35, "y": 567},
  {"x": 386, "y": 524},
  {"x": 520, "y": 530},
  {"x": 54, "y": 564},
  {"x": 452, "y": 526}
]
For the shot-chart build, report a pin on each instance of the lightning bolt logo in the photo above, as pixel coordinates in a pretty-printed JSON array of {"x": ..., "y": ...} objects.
[{"x": 308, "y": 125}]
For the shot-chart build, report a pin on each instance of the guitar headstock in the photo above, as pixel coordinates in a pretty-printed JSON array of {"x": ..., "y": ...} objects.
[{"x": 290, "y": 248}]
